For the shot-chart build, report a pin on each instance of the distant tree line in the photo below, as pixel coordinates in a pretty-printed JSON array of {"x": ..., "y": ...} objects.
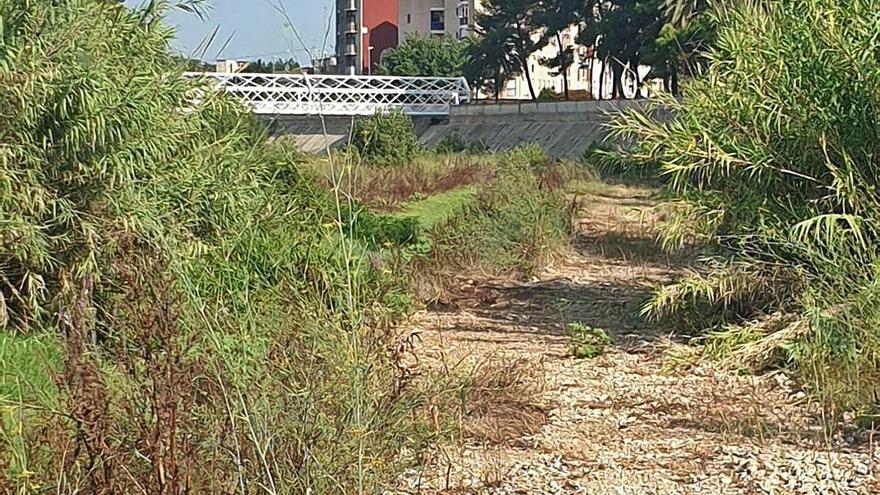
[
  {"x": 667, "y": 35},
  {"x": 278, "y": 66}
]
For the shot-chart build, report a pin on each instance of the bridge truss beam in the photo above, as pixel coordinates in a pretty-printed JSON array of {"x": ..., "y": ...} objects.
[{"x": 304, "y": 94}]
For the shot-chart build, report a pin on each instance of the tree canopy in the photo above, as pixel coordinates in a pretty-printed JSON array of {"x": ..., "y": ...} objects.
[
  {"x": 506, "y": 29},
  {"x": 431, "y": 56},
  {"x": 667, "y": 35}
]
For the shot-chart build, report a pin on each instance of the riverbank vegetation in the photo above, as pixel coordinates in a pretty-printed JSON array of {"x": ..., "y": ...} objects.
[{"x": 771, "y": 168}]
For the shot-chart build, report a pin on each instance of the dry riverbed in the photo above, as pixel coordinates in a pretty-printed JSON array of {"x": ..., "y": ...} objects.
[{"x": 646, "y": 417}]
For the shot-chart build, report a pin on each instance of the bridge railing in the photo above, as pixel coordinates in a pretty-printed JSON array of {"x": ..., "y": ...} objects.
[{"x": 304, "y": 94}]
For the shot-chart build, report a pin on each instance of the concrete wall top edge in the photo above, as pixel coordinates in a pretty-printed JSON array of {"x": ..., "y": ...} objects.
[{"x": 546, "y": 107}]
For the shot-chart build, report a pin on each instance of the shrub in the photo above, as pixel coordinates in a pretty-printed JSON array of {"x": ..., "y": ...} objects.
[
  {"x": 777, "y": 144},
  {"x": 548, "y": 94},
  {"x": 386, "y": 139},
  {"x": 515, "y": 224},
  {"x": 477, "y": 147},
  {"x": 451, "y": 143}
]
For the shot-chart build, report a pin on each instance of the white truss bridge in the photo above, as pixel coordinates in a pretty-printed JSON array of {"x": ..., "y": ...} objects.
[{"x": 304, "y": 94}]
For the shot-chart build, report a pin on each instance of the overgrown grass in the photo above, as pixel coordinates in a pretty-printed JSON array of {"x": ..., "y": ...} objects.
[
  {"x": 384, "y": 189},
  {"x": 771, "y": 163},
  {"x": 440, "y": 208},
  {"x": 502, "y": 214},
  {"x": 215, "y": 325},
  {"x": 515, "y": 226},
  {"x": 512, "y": 223}
]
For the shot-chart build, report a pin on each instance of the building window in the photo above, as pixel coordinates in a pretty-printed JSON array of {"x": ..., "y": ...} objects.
[
  {"x": 438, "y": 20},
  {"x": 510, "y": 90},
  {"x": 409, "y": 18},
  {"x": 463, "y": 15}
]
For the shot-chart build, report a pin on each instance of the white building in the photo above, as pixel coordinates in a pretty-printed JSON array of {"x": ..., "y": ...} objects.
[
  {"x": 436, "y": 17},
  {"x": 230, "y": 66},
  {"x": 544, "y": 77}
]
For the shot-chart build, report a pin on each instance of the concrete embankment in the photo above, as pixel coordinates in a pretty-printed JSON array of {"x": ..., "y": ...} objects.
[
  {"x": 562, "y": 129},
  {"x": 311, "y": 133}
]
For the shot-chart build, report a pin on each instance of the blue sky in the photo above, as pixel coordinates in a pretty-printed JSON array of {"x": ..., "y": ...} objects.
[{"x": 254, "y": 28}]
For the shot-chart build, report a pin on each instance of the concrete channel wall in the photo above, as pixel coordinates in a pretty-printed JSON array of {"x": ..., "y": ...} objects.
[{"x": 562, "y": 129}]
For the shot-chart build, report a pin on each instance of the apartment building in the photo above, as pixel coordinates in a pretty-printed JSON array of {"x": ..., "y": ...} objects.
[
  {"x": 544, "y": 78},
  {"x": 364, "y": 29},
  {"x": 437, "y": 17}
]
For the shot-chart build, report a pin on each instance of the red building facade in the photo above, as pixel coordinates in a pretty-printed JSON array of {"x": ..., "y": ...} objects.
[
  {"x": 379, "y": 20},
  {"x": 364, "y": 29}
]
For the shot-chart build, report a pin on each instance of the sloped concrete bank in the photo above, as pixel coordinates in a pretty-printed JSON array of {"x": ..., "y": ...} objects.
[
  {"x": 562, "y": 129},
  {"x": 311, "y": 133},
  {"x": 314, "y": 134}
]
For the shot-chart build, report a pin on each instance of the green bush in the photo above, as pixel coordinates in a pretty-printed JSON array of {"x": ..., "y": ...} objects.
[
  {"x": 207, "y": 324},
  {"x": 477, "y": 147},
  {"x": 771, "y": 158},
  {"x": 386, "y": 139},
  {"x": 451, "y": 143},
  {"x": 548, "y": 94},
  {"x": 532, "y": 155}
]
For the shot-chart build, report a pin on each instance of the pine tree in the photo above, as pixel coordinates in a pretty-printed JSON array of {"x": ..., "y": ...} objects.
[
  {"x": 506, "y": 28},
  {"x": 553, "y": 17}
]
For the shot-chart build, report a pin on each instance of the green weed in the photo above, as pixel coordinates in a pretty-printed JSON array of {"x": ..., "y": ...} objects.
[
  {"x": 587, "y": 342},
  {"x": 514, "y": 226},
  {"x": 435, "y": 210},
  {"x": 211, "y": 321},
  {"x": 451, "y": 143}
]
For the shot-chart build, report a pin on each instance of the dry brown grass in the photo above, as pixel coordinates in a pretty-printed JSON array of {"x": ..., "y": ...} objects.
[
  {"x": 384, "y": 188},
  {"x": 504, "y": 401},
  {"x": 494, "y": 470}
]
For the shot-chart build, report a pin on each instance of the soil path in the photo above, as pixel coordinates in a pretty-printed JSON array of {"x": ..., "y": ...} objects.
[{"x": 644, "y": 418}]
